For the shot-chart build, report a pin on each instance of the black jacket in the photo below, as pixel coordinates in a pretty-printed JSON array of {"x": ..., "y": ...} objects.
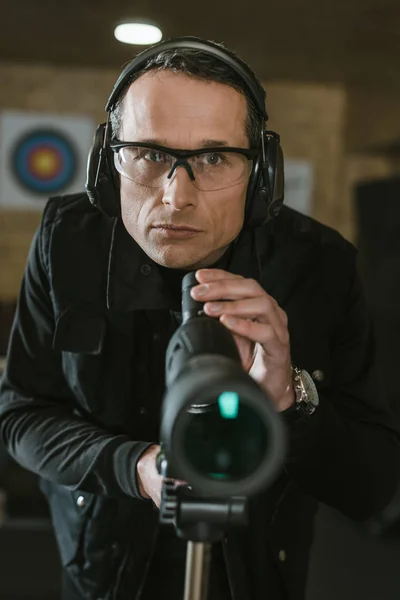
[{"x": 73, "y": 403}]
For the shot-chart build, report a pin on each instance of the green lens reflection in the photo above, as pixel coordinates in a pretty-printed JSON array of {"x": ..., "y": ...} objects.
[
  {"x": 226, "y": 442},
  {"x": 228, "y": 403}
]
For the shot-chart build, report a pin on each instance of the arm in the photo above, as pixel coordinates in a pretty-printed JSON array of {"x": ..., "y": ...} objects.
[{"x": 37, "y": 421}]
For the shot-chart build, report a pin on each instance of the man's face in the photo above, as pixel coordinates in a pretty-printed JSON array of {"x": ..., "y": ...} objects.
[{"x": 182, "y": 112}]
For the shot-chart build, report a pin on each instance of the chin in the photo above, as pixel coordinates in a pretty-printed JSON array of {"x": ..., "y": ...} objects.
[
  {"x": 178, "y": 260},
  {"x": 176, "y": 263}
]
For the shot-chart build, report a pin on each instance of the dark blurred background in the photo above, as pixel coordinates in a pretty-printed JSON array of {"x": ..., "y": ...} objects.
[{"x": 332, "y": 74}]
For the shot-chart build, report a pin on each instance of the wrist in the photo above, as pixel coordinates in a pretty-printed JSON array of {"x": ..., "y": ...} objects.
[
  {"x": 288, "y": 400},
  {"x": 283, "y": 393},
  {"x": 142, "y": 468}
]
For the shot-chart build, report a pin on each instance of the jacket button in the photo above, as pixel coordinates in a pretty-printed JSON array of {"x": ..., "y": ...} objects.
[
  {"x": 282, "y": 555},
  {"x": 114, "y": 548},
  {"x": 145, "y": 269},
  {"x": 80, "y": 501},
  {"x": 318, "y": 375},
  {"x": 142, "y": 410}
]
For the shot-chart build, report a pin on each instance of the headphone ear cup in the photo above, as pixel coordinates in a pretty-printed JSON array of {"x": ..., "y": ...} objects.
[
  {"x": 92, "y": 165},
  {"x": 101, "y": 187},
  {"x": 257, "y": 198},
  {"x": 265, "y": 192},
  {"x": 278, "y": 189}
]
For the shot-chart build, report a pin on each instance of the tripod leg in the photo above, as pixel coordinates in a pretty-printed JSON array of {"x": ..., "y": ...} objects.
[{"x": 197, "y": 571}]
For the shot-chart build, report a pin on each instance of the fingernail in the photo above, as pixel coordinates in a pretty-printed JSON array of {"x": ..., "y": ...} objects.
[
  {"x": 229, "y": 321},
  {"x": 214, "y": 306},
  {"x": 201, "y": 290},
  {"x": 205, "y": 274}
]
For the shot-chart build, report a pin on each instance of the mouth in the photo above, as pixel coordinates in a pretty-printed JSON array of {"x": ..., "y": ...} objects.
[
  {"x": 169, "y": 227},
  {"x": 173, "y": 233}
]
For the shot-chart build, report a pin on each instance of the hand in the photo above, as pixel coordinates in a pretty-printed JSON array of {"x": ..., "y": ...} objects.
[
  {"x": 259, "y": 327},
  {"x": 149, "y": 480}
]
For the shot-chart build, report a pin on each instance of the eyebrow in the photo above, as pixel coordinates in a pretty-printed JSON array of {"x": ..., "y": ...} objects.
[{"x": 203, "y": 143}]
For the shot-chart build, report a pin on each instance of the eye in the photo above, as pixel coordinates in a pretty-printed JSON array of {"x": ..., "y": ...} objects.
[
  {"x": 153, "y": 156},
  {"x": 148, "y": 155},
  {"x": 213, "y": 159}
]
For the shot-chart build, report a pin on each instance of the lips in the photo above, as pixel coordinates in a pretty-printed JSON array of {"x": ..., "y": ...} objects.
[{"x": 175, "y": 227}]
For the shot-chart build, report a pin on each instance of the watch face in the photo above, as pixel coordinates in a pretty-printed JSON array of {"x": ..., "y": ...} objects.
[{"x": 310, "y": 388}]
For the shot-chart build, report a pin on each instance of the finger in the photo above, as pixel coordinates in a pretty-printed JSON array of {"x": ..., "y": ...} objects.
[
  {"x": 259, "y": 309},
  {"x": 261, "y": 333},
  {"x": 282, "y": 316},
  {"x": 228, "y": 289},
  {"x": 207, "y": 275}
]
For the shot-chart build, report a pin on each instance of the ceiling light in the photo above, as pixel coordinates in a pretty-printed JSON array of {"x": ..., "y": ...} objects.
[{"x": 137, "y": 33}]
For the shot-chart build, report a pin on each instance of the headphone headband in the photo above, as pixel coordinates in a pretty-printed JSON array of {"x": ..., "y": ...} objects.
[{"x": 255, "y": 90}]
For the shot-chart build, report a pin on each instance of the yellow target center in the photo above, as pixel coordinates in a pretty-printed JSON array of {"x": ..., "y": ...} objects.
[{"x": 45, "y": 162}]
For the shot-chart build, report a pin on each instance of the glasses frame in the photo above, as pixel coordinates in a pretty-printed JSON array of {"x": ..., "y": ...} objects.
[{"x": 181, "y": 156}]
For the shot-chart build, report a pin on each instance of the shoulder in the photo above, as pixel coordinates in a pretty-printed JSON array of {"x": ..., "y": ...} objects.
[
  {"x": 69, "y": 207},
  {"x": 305, "y": 249},
  {"x": 72, "y": 215},
  {"x": 296, "y": 228},
  {"x": 74, "y": 231}
]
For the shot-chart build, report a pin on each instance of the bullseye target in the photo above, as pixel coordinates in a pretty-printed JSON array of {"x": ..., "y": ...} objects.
[{"x": 44, "y": 161}]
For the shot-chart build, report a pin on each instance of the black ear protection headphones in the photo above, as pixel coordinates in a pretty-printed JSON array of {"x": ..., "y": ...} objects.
[{"x": 265, "y": 191}]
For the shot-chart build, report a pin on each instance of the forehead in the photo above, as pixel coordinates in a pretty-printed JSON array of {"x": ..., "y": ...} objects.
[{"x": 179, "y": 111}]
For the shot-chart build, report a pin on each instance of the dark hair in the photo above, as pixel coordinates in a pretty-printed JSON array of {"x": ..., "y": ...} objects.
[{"x": 197, "y": 63}]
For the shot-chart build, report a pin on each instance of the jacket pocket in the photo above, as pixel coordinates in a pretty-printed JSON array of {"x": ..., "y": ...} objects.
[
  {"x": 80, "y": 337},
  {"x": 79, "y": 332},
  {"x": 70, "y": 513}
]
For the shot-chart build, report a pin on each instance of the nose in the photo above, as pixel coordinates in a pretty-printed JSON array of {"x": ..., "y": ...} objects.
[{"x": 180, "y": 191}]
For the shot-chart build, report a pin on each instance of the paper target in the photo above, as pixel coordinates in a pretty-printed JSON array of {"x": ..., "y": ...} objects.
[
  {"x": 42, "y": 155},
  {"x": 44, "y": 161}
]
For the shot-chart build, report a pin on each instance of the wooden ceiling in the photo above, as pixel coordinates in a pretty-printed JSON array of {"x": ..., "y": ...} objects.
[{"x": 356, "y": 42}]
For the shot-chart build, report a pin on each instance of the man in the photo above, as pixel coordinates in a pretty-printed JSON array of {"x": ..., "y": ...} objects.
[{"x": 100, "y": 299}]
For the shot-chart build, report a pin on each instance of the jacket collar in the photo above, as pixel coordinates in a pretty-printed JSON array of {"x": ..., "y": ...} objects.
[
  {"x": 276, "y": 255},
  {"x": 134, "y": 281}
]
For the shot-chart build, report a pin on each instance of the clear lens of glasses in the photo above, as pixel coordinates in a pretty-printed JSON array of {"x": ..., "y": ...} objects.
[{"x": 211, "y": 170}]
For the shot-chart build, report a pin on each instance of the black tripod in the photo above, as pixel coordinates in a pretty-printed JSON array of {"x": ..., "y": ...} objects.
[{"x": 202, "y": 522}]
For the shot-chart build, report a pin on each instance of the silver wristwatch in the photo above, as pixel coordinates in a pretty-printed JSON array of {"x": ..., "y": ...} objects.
[{"x": 306, "y": 394}]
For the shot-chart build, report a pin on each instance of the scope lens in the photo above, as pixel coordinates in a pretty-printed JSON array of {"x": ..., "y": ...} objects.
[{"x": 225, "y": 439}]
